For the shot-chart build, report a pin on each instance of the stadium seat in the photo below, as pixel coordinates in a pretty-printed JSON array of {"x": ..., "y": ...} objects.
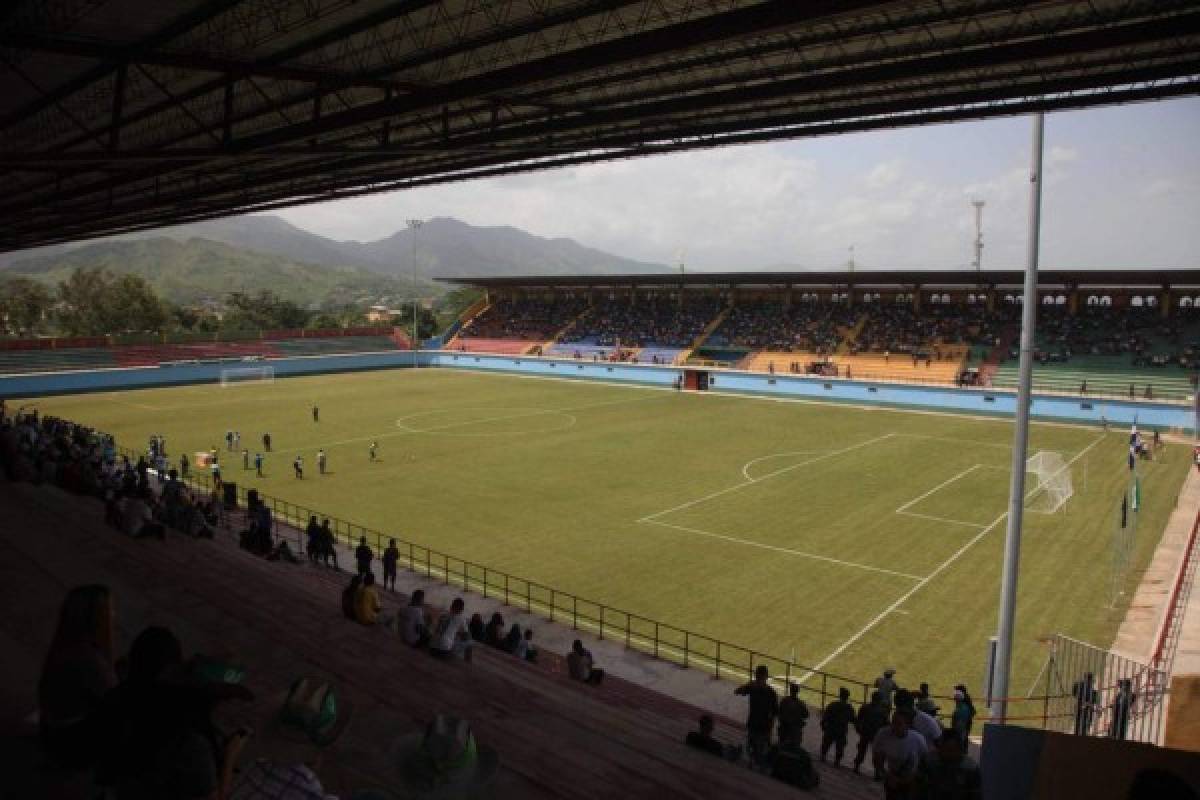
[{"x": 612, "y": 739}]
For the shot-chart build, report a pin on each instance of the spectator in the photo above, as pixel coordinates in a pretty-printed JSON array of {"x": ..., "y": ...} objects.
[
  {"x": 363, "y": 556},
  {"x": 835, "y": 724},
  {"x": 139, "y": 519},
  {"x": 493, "y": 635},
  {"x": 1086, "y": 699},
  {"x": 764, "y": 707},
  {"x": 702, "y": 739},
  {"x": 925, "y": 702},
  {"x": 476, "y": 628},
  {"x": 949, "y": 774},
  {"x": 897, "y": 752},
  {"x": 581, "y": 665},
  {"x": 76, "y": 674},
  {"x": 513, "y": 639},
  {"x": 390, "y": 557},
  {"x": 312, "y": 536},
  {"x": 163, "y": 742},
  {"x": 871, "y": 717},
  {"x": 921, "y": 722},
  {"x": 349, "y": 596},
  {"x": 414, "y": 621},
  {"x": 793, "y": 714},
  {"x": 328, "y": 544},
  {"x": 886, "y": 684},
  {"x": 451, "y": 639},
  {"x": 525, "y": 649},
  {"x": 367, "y": 604},
  {"x": 963, "y": 714}
]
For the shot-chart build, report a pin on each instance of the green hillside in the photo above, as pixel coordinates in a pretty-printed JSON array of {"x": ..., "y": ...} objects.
[{"x": 199, "y": 270}]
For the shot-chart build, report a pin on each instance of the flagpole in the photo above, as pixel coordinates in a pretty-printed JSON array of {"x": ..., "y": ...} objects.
[{"x": 1016, "y": 490}]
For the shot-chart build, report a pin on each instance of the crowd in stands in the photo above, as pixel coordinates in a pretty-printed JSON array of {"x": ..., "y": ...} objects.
[
  {"x": 530, "y": 318},
  {"x": 897, "y": 328},
  {"x": 1142, "y": 335},
  {"x": 811, "y": 327},
  {"x": 648, "y": 322}
]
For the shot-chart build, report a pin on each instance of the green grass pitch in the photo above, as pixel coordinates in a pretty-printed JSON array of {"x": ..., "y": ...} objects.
[{"x": 854, "y": 537}]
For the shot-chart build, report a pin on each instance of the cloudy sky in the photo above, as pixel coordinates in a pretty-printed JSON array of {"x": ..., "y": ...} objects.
[{"x": 1122, "y": 190}]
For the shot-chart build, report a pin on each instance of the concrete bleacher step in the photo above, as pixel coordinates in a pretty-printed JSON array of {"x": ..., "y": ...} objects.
[{"x": 288, "y": 622}]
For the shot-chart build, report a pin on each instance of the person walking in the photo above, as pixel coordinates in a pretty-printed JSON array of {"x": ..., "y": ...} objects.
[
  {"x": 835, "y": 724},
  {"x": 871, "y": 717}
]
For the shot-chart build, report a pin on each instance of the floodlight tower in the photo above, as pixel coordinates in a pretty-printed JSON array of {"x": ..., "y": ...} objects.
[
  {"x": 850, "y": 261},
  {"x": 415, "y": 225},
  {"x": 978, "y": 262}
]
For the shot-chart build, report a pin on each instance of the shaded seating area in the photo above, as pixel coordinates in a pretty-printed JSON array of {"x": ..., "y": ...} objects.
[
  {"x": 555, "y": 737},
  {"x": 24, "y": 361},
  {"x": 513, "y": 347},
  {"x": 16, "y": 361}
]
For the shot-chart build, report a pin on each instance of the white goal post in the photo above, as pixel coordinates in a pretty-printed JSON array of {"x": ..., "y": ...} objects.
[
  {"x": 238, "y": 375},
  {"x": 1053, "y": 486}
]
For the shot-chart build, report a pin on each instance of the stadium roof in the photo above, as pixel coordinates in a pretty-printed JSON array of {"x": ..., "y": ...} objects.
[
  {"x": 967, "y": 279},
  {"x": 119, "y": 115}
]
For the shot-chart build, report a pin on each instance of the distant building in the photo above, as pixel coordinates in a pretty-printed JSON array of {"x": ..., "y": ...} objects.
[{"x": 380, "y": 313}]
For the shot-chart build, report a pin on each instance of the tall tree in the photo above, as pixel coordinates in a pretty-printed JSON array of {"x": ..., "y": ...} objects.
[
  {"x": 24, "y": 306},
  {"x": 94, "y": 302},
  {"x": 262, "y": 310}
]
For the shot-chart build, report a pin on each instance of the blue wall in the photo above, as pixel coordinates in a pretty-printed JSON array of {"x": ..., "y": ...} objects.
[{"x": 942, "y": 398}]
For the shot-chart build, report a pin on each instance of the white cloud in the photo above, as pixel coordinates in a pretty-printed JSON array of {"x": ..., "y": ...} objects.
[{"x": 901, "y": 198}]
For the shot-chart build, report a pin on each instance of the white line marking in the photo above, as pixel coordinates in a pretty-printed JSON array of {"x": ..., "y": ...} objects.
[
  {"x": 778, "y": 549},
  {"x": 753, "y": 461},
  {"x": 942, "y": 519},
  {"x": 1003, "y": 418},
  {"x": 941, "y": 485},
  {"x": 406, "y": 431},
  {"x": 925, "y": 581},
  {"x": 956, "y": 441},
  {"x": 768, "y": 476}
]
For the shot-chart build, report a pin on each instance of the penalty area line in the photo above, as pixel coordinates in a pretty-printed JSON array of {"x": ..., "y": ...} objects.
[
  {"x": 778, "y": 549},
  {"x": 957, "y": 554},
  {"x": 752, "y": 481}
]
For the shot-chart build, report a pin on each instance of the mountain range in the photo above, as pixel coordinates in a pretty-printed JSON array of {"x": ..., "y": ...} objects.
[{"x": 204, "y": 261}]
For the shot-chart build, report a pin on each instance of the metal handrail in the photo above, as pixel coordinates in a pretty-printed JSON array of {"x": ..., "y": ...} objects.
[{"x": 653, "y": 637}]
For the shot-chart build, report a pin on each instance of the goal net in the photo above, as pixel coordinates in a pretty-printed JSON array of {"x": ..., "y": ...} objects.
[
  {"x": 239, "y": 375},
  {"x": 1052, "y": 485}
]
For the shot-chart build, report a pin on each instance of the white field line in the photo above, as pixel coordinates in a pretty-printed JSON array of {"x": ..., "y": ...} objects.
[
  {"x": 925, "y": 581},
  {"x": 753, "y": 461},
  {"x": 993, "y": 418},
  {"x": 769, "y": 475},
  {"x": 975, "y": 442},
  {"x": 778, "y": 549},
  {"x": 942, "y": 485},
  {"x": 947, "y": 520},
  {"x": 406, "y": 431}
]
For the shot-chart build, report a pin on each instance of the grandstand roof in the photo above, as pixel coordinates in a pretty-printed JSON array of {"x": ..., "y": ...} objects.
[
  {"x": 1013, "y": 279},
  {"x": 119, "y": 115}
]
